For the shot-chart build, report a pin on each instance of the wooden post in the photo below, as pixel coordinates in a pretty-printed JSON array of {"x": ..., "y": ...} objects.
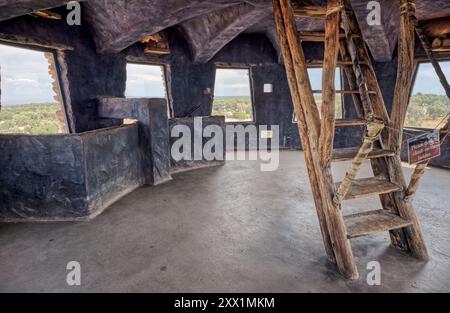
[
  {"x": 306, "y": 109},
  {"x": 331, "y": 51},
  {"x": 301, "y": 122},
  {"x": 405, "y": 73},
  {"x": 445, "y": 131}
]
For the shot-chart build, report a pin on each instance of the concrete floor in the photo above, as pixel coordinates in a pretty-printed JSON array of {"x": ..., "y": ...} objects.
[{"x": 225, "y": 229}]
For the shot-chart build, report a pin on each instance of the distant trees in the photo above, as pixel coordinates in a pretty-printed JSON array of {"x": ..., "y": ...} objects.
[{"x": 427, "y": 110}]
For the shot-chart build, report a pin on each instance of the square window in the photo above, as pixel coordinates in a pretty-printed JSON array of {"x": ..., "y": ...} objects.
[
  {"x": 428, "y": 105},
  {"x": 31, "y": 98},
  {"x": 232, "y": 95}
]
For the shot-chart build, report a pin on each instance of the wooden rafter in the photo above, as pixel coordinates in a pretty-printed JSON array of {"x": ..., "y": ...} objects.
[{"x": 46, "y": 14}]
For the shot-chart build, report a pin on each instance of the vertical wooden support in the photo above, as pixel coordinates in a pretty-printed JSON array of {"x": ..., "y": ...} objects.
[
  {"x": 445, "y": 131},
  {"x": 405, "y": 73},
  {"x": 309, "y": 123},
  {"x": 410, "y": 237},
  {"x": 326, "y": 139},
  {"x": 303, "y": 131}
]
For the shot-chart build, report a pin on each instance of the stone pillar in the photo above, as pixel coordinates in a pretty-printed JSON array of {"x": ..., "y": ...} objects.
[{"x": 154, "y": 136}]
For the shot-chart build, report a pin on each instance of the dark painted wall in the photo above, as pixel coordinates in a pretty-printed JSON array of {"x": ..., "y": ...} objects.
[
  {"x": 191, "y": 163},
  {"x": 67, "y": 177}
]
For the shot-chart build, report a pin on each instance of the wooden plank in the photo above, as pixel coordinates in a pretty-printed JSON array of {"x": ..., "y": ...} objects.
[
  {"x": 49, "y": 15},
  {"x": 350, "y": 122},
  {"x": 366, "y": 187},
  {"x": 348, "y": 154},
  {"x": 362, "y": 224},
  {"x": 32, "y": 41},
  {"x": 309, "y": 11},
  {"x": 347, "y": 92},
  {"x": 315, "y": 36}
]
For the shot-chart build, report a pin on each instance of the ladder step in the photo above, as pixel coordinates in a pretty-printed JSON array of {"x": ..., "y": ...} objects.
[
  {"x": 362, "y": 224},
  {"x": 365, "y": 187},
  {"x": 350, "y": 122},
  {"x": 346, "y": 92},
  {"x": 348, "y": 154}
]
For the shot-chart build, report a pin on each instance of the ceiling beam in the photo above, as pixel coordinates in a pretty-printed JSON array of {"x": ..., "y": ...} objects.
[
  {"x": 208, "y": 34},
  {"x": 119, "y": 24},
  {"x": 13, "y": 8}
]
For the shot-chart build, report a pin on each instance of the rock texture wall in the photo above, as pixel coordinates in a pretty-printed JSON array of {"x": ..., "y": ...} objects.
[
  {"x": 153, "y": 125},
  {"x": 192, "y": 163},
  {"x": 67, "y": 177}
]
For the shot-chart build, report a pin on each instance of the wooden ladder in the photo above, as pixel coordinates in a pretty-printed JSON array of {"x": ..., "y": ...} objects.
[{"x": 382, "y": 133}]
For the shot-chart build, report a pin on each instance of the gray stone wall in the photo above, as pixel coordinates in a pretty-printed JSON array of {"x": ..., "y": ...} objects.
[{"x": 67, "y": 177}]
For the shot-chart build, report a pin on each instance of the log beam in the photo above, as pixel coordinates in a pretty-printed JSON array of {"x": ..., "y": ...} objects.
[
  {"x": 405, "y": 73},
  {"x": 309, "y": 124},
  {"x": 331, "y": 51}
]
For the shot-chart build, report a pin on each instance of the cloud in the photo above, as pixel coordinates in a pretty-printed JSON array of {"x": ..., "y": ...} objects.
[{"x": 25, "y": 77}]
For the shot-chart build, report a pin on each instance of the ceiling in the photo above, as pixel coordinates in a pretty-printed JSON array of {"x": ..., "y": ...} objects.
[{"x": 209, "y": 25}]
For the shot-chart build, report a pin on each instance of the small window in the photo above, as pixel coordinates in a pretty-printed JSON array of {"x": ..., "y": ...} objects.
[
  {"x": 428, "y": 104},
  {"x": 145, "y": 81},
  {"x": 232, "y": 95},
  {"x": 30, "y": 94},
  {"x": 315, "y": 76}
]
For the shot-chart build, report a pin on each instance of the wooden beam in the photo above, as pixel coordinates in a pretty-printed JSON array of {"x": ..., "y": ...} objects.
[
  {"x": 409, "y": 238},
  {"x": 405, "y": 73},
  {"x": 310, "y": 11},
  {"x": 49, "y": 15},
  {"x": 328, "y": 107},
  {"x": 308, "y": 118},
  {"x": 347, "y": 92},
  {"x": 315, "y": 36},
  {"x": 32, "y": 41},
  {"x": 445, "y": 130},
  {"x": 303, "y": 129}
]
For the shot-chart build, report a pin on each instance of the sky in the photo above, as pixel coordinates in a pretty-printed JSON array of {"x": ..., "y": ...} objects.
[
  {"x": 427, "y": 80},
  {"x": 232, "y": 83},
  {"x": 315, "y": 76},
  {"x": 25, "y": 78},
  {"x": 145, "y": 81}
]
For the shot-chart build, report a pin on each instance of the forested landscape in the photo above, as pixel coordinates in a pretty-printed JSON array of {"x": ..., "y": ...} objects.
[
  {"x": 32, "y": 119},
  {"x": 427, "y": 110}
]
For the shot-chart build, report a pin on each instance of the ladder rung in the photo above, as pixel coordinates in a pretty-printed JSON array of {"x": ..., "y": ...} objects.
[
  {"x": 365, "y": 187},
  {"x": 362, "y": 224},
  {"x": 346, "y": 92},
  {"x": 347, "y": 154},
  {"x": 350, "y": 122}
]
